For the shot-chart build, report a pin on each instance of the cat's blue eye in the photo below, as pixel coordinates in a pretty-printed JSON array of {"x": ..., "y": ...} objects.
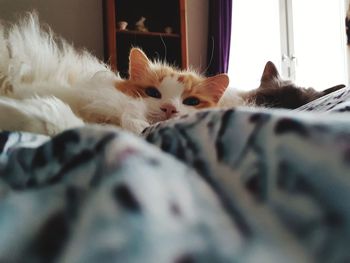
[
  {"x": 191, "y": 101},
  {"x": 153, "y": 92}
]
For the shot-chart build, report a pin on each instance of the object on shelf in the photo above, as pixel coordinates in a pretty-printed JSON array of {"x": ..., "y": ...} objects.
[
  {"x": 140, "y": 25},
  {"x": 168, "y": 30},
  {"x": 122, "y": 25}
]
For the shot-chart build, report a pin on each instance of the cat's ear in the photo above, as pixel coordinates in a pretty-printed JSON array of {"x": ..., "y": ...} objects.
[
  {"x": 139, "y": 65},
  {"x": 270, "y": 72},
  {"x": 214, "y": 87}
]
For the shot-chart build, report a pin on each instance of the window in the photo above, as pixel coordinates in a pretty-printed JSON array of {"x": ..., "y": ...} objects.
[{"x": 305, "y": 39}]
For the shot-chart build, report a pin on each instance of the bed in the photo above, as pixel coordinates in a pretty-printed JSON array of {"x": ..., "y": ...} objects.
[{"x": 236, "y": 185}]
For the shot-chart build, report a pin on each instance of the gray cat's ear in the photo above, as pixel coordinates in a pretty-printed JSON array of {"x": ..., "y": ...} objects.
[
  {"x": 139, "y": 65},
  {"x": 270, "y": 72}
]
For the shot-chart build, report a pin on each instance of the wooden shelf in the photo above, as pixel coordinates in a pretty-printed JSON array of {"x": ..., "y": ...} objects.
[
  {"x": 134, "y": 32},
  {"x": 157, "y": 44}
]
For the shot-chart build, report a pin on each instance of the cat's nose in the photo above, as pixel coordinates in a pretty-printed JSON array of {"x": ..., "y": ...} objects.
[{"x": 169, "y": 110}]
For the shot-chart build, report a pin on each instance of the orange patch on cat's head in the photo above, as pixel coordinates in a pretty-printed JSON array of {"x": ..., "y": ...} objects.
[{"x": 181, "y": 79}]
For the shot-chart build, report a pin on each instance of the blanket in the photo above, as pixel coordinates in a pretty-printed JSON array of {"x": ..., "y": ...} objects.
[{"x": 236, "y": 185}]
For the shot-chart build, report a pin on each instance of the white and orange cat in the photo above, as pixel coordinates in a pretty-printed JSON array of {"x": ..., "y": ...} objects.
[{"x": 46, "y": 86}]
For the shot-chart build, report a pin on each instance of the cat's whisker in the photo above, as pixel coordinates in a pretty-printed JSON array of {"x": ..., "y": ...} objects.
[
  {"x": 155, "y": 116},
  {"x": 138, "y": 95},
  {"x": 165, "y": 48},
  {"x": 211, "y": 57}
]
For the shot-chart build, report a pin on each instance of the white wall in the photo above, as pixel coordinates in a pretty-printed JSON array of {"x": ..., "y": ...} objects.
[
  {"x": 197, "y": 33},
  {"x": 78, "y": 21}
]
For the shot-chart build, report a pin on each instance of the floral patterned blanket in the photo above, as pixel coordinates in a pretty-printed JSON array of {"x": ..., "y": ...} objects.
[{"x": 240, "y": 185}]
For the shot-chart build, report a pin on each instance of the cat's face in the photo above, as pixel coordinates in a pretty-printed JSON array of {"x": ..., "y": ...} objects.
[{"x": 169, "y": 92}]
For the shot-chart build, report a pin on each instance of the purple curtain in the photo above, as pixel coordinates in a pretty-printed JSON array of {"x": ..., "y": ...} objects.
[{"x": 220, "y": 12}]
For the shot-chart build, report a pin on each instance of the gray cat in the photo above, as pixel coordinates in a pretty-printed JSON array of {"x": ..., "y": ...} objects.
[{"x": 275, "y": 92}]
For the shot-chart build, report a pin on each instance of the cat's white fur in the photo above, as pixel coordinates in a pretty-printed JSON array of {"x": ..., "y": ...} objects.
[
  {"x": 232, "y": 97},
  {"x": 41, "y": 75},
  {"x": 37, "y": 114}
]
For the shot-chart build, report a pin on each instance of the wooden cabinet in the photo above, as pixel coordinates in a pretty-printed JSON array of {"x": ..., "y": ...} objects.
[{"x": 161, "y": 17}]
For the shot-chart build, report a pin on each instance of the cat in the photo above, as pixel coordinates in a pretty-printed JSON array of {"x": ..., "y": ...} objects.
[
  {"x": 47, "y": 86},
  {"x": 274, "y": 92}
]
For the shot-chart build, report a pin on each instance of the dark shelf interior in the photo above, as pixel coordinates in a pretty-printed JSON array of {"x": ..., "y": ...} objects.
[
  {"x": 157, "y": 44},
  {"x": 158, "y": 13}
]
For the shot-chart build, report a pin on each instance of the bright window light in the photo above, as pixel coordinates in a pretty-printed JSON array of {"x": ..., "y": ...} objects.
[
  {"x": 316, "y": 39},
  {"x": 255, "y": 39},
  {"x": 320, "y": 43}
]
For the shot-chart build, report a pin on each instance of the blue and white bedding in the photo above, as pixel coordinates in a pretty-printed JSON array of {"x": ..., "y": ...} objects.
[{"x": 241, "y": 185}]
